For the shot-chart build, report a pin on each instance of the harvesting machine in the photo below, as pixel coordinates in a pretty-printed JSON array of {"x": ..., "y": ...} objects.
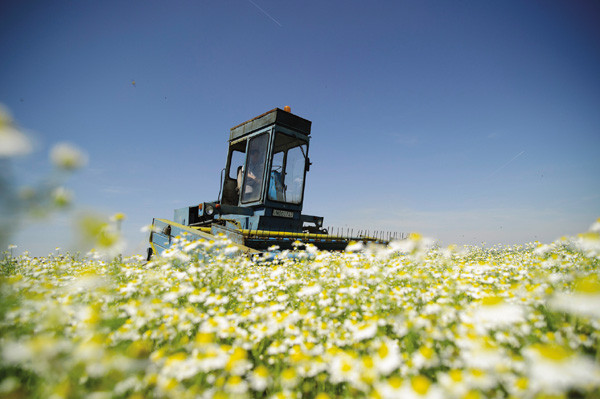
[{"x": 261, "y": 194}]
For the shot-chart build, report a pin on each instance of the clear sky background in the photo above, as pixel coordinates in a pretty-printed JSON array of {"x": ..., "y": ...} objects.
[{"x": 467, "y": 121}]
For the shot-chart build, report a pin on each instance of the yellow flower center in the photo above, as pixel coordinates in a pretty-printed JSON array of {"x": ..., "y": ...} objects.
[
  {"x": 552, "y": 351},
  {"x": 522, "y": 383},
  {"x": 420, "y": 384},
  {"x": 395, "y": 382},
  {"x": 261, "y": 371},
  {"x": 455, "y": 375},
  {"x": 288, "y": 374},
  {"x": 383, "y": 350},
  {"x": 427, "y": 352},
  {"x": 491, "y": 300},
  {"x": 346, "y": 367},
  {"x": 588, "y": 285}
]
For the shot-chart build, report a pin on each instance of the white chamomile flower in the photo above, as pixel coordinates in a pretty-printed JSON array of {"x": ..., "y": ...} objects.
[
  {"x": 67, "y": 156},
  {"x": 13, "y": 142}
]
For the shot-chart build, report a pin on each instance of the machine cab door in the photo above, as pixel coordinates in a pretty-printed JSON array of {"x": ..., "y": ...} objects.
[
  {"x": 245, "y": 171},
  {"x": 288, "y": 169},
  {"x": 254, "y": 170}
]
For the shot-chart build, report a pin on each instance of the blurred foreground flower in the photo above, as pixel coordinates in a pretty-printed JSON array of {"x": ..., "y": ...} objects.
[
  {"x": 583, "y": 301},
  {"x": 37, "y": 201},
  {"x": 62, "y": 197},
  {"x": 67, "y": 156},
  {"x": 150, "y": 228},
  {"x": 415, "y": 244},
  {"x": 12, "y": 141},
  {"x": 118, "y": 218},
  {"x": 492, "y": 312},
  {"x": 554, "y": 369},
  {"x": 96, "y": 231},
  {"x": 354, "y": 246}
]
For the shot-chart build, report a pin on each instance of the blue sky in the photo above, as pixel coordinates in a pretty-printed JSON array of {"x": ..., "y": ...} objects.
[{"x": 468, "y": 122}]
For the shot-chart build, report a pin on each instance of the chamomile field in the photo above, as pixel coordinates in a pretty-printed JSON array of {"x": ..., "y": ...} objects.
[{"x": 409, "y": 320}]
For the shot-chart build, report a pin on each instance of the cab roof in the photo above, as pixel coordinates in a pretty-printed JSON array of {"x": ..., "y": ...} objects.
[{"x": 275, "y": 116}]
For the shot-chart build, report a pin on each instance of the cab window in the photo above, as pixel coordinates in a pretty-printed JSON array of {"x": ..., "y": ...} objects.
[{"x": 286, "y": 177}]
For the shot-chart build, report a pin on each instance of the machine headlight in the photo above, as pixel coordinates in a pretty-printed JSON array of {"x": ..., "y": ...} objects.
[{"x": 209, "y": 210}]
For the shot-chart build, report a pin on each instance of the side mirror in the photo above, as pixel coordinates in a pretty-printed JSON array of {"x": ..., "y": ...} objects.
[{"x": 308, "y": 163}]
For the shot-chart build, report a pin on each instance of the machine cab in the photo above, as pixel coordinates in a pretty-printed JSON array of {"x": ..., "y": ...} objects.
[{"x": 267, "y": 162}]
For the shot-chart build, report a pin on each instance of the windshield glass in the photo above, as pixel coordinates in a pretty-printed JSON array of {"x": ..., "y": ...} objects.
[
  {"x": 255, "y": 167},
  {"x": 287, "y": 172}
]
